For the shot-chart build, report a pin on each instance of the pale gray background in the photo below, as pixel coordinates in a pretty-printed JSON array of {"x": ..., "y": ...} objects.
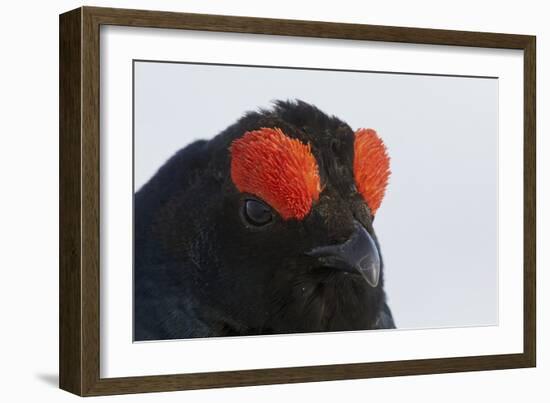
[{"x": 438, "y": 223}]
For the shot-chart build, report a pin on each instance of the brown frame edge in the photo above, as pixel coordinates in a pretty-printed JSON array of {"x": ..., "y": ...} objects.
[{"x": 79, "y": 200}]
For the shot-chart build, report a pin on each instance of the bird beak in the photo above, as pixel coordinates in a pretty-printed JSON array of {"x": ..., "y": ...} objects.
[{"x": 359, "y": 253}]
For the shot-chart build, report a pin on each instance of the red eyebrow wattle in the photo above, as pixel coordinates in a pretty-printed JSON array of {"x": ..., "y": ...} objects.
[
  {"x": 280, "y": 170},
  {"x": 371, "y": 167}
]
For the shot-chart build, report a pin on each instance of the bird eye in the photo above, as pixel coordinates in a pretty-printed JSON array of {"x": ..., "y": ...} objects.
[{"x": 257, "y": 213}]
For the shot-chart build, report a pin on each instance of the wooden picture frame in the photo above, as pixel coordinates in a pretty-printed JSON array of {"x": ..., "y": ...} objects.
[{"x": 79, "y": 201}]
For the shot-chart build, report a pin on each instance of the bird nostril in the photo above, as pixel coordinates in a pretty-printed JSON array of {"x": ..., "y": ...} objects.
[
  {"x": 340, "y": 228},
  {"x": 340, "y": 234},
  {"x": 339, "y": 239}
]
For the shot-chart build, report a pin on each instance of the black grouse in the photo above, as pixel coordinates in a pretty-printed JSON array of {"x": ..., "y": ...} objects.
[{"x": 266, "y": 228}]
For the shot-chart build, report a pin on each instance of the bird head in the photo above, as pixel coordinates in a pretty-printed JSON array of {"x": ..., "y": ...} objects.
[
  {"x": 300, "y": 193},
  {"x": 275, "y": 221}
]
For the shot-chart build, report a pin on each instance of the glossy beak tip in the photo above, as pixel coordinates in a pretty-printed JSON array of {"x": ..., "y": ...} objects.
[{"x": 370, "y": 270}]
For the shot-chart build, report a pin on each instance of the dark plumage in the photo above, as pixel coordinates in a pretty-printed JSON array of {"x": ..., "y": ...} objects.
[{"x": 208, "y": 264}]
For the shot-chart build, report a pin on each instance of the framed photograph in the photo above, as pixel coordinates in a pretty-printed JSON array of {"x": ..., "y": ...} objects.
[{"x": 249, "y": 201}]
